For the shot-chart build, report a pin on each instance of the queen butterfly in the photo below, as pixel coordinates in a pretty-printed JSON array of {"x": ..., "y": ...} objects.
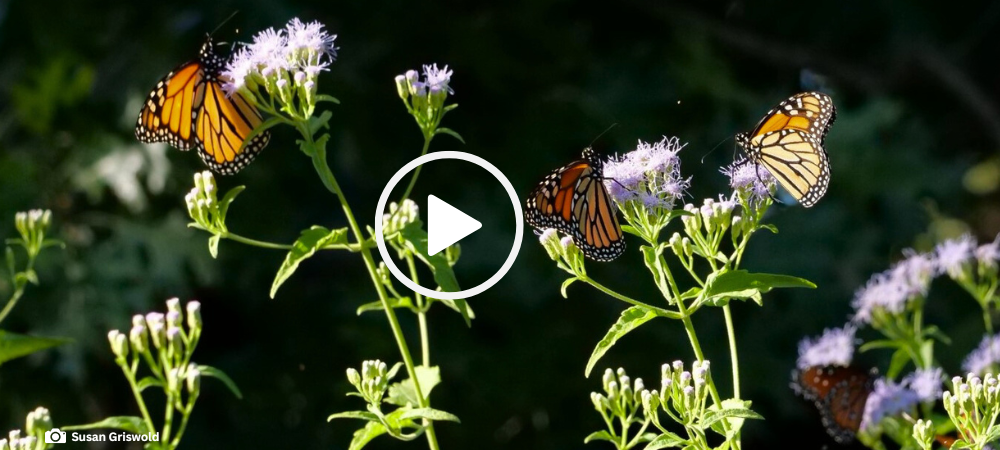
[{"x": 839, "y": 393}]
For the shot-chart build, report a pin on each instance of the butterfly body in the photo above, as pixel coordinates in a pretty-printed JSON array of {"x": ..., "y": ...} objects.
[
  {"x": 789, "y": 141},
  {"x": 574, "y": 200},
  {"x": 840, "y": 394},
  {"x": 189, "y": 109}
]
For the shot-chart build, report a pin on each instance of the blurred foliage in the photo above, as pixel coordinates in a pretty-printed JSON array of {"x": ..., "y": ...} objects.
[{"x": 914, "y": 155}]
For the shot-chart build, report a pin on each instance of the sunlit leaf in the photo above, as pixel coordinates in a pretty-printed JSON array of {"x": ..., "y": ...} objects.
[
  {"x": 125, "y": 423},
  {"x": 311, "y": 240},
  {"x": 209, "y": 371},
  {"x": 404, "y": 393},
  {"x": 630, "y": 319},
  {"x": 13, "y": 345}
]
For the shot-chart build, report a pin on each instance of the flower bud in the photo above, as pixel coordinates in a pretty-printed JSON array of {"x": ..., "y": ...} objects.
[
  {"x": 686, "y": 247},
  {"x": 598, "y": 401},
  {"x": 194, "y": 315},
  {"x": 174, "y": 305},
  {"x": 174, "y": 319},
  {"x": 737, "y": 226},
  {"x": 401, "y": 88},
  {"x": 14, "y": 435},
  {"x": 353, "y": 376},
  {"x": 172, "y": 379},
  {"x": 678, "y": 366},
  {"x": 39, "y": 421},
  {"x": 139, "y": 338},
  {"x": 175, "y": 344},
  {"x": 28, "y": 443},
  {"x": 607, "y": 379},
  {"x": 550, "y": 241},
  {"x": 193, "y": 379},
  {"x": 650, "y": 401},
  {"x": 158, "y": 334},
  {"x": 3, "y": 444},
  {"x": 119, "y": 344},
  {"x": 665, "y": 372}
]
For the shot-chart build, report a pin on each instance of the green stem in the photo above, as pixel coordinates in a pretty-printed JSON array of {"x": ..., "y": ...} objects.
[
  {"x": 629, "y": 300},
  {"x": 130, "y": 377},
  {"x": 425, "y": 347},
  {"x": 732, "y": 350},
  {"x": 323, "y": 169},
  {"x": 416, "y": 172},
  {"x": 184, "y": 420},
  {"x": 254, "y": 242},
  {"x": 11, "y": 303}
]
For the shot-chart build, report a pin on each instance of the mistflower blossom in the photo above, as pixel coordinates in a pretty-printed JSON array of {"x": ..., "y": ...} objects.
[
  {"x": 988, "y": 254},
  {"x": 955, "y": 255},
  {"x": 438, "y": 78},
  {"x": 749, "y": 177},
  {"x": 887, "y": 399},
  {"x": 650, "y": 174},
  {"x": 892, "y": 290},
  {"x": 277, "y": 57},
  {"x": 926, "y": 383},
  {"x": 834, "y": 348},
  {"x": 985, "y": 357}
]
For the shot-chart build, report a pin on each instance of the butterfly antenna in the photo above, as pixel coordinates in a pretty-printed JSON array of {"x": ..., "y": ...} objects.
[
  {"x": 712, "y": 150},
  {"x": 224, "y": 22},
  {"x": 602, "y": 134}
]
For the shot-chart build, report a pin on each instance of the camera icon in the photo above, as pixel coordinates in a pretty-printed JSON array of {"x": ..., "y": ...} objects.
[{"x": 55, "y": 436}]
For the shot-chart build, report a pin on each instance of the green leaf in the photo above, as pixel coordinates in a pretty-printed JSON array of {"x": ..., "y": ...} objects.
[
  {"x": 881, "y": 343},
  {"x": 126, "y": 423},
  {"x": 327, "y": 98},
  {"x": 213, "y": 245},
  {"x": 363, "y": 415},
  {"x": 228, "y": 200},
  {"x": 566, "y": 284},
  {"x": 927, "y": 350},
  {"x": 731, "y": 408},
  {"x": 631, "y": 230},
  {"x": 209, "y": 371},
  {"x": 364, "y": 435},
  {"x": 651, "y": 256},
  {"x": 599, "y": 436},
  {"x": 53, "y": 243},
  {"x": 899, "y": 360},
  {"x": 258, "y": 130},
  {"x": 308, "y": 242},
  {"x": 31, "y": 276},
  {"x": 10, "y": 261},
  {"x": 148, "y": 382},
  {"x": 403, "y": 393},
  {"x": 316, "y": 123},
  {"x": 415, "y": 240},
  {"x": 430, "y": 414},
  {"x": 666, "y": 440},
  {"x": 459, "y": 306},
  {"x": 394, "y": 302},
  {"x": 741, "y": 284},
  {"x": 630, "y": 319},
  {"x": 449, "y": 132},
  {"x": 936, "y": 333},
  {"x": 13, "y": 345}
]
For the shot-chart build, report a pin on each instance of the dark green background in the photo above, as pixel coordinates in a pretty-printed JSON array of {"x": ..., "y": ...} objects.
[{"x": 915, "y": 87}]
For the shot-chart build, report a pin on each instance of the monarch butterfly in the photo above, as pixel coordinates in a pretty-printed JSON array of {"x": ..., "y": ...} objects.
[
  {"x": 840, "y": 394},
  {"x": 188, "y": 109},
  {"x": 574, "y": 200},
  {"x": 788, "y": 141}
]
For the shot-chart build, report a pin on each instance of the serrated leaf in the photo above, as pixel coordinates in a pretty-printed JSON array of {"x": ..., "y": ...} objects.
[
  {"x": 630, "y": 319},
  {"x": 666, "y": 440},
  {"x": 449, "y": 132},
  {"x": 213, "y": 245},
  {"x": 364, "y": 435},
  {"x": 13, "y": 345},
  {"x": 209, "y": 371},
  {"x": 403, "y": 393},
  {"x": 304, "y": 247},
  {"x": 740, "y": 284},
  {"x": 599, "y": 436},
  {"x": 362, "y": 415},
  {"x": 712, "y": 417},
  {"x": 430, "y": 414},
  {"x": 394, "y": 302},
  {"x": 125, "y": 423},
  {"x": 415, "y": 240},
  {"x": 147, "y": 382},
  {"x": 565, "y": 285},
  {"x": 651, "y": 257}
]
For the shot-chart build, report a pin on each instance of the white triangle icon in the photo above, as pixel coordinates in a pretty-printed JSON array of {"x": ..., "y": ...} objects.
[{"x": 446, "y": 225}]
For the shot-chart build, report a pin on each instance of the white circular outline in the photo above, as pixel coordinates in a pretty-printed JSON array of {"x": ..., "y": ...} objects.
[{"x": 384, "y": 198}]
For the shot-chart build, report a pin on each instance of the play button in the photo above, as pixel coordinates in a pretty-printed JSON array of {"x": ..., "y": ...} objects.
[{"x": 446, "y": 225}]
